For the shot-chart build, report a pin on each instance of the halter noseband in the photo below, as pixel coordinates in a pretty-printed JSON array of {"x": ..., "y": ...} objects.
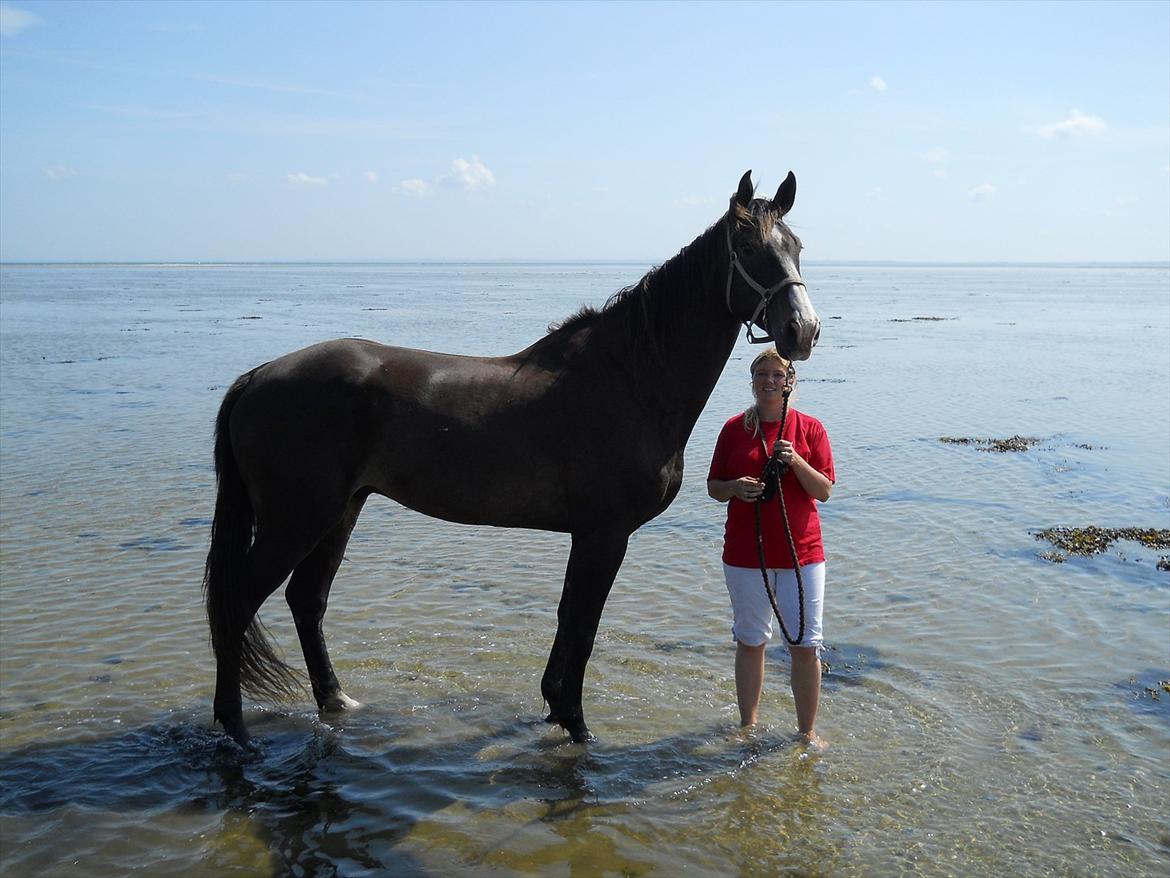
[{"x": 765, "y": 293}]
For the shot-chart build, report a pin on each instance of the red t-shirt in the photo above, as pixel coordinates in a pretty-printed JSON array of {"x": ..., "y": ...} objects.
[{"x": 739, "y": 453}]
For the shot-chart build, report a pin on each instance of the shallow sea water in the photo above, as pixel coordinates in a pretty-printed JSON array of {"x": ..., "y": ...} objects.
[{"x": 989, "y": 711}]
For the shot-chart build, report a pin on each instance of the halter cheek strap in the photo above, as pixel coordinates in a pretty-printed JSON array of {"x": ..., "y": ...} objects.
[{"x": 765, "y": 293}]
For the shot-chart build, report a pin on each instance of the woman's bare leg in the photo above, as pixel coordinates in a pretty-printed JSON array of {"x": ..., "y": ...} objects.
[
  {"x": 749, "y": 681},
  {"x": 806, "y": 690}
]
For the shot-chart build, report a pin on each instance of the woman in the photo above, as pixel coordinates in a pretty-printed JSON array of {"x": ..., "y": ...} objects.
[{"x": 744, "y": 445}]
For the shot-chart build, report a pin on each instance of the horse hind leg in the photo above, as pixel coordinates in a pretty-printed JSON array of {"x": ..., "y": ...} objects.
[
  {"x": 593, "y": 563},
  {"x": 308, "y": 598},
  {"x": 244, "y": 658}
]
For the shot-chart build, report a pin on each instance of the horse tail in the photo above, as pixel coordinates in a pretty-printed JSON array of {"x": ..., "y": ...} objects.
[{"x": 262, "y": 673}]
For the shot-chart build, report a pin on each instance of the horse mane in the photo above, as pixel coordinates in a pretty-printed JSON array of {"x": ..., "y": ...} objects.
[
  {"x": 649, "y": 309},
  {"x": 653, "y": 304}
]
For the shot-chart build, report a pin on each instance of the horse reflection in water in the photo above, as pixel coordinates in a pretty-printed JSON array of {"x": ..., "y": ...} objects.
[{"x": 581, "y": 433}]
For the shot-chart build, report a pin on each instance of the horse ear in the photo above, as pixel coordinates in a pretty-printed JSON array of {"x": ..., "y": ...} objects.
[
  {"x": 743, "y": 195},
  {"x": 786, "y": 194}
]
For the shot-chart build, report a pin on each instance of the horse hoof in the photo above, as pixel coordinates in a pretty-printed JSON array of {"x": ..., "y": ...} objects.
[
  {"x": 575, "y": 726},
  {"x": 339, "y": 702},
  {"x": 237, "y": 731}
]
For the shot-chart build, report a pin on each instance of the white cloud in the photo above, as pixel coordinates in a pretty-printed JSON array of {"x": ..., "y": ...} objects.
[
  {"x": 982, "y": 192},
  {"x": 464, "y": 175},
  {"x": 13, "y": 20},
  {"x": 370, "y": 176},
  {"x": 413, "y": 187},
  {"x": 876, "y": 83},
  {"x": 59, "y": 172},
  {"x": 467, "y": 175},
  {"x": 1075, "y": 125},
  {"x": 300, "y": 178},
  {"x": 940, "y": 173}
]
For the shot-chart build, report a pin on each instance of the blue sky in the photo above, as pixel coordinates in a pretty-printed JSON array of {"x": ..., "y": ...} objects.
[{"x": 285, "y": 131}]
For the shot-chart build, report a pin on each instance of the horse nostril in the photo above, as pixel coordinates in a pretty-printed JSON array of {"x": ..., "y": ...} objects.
[{"x": 798, "y": 330}]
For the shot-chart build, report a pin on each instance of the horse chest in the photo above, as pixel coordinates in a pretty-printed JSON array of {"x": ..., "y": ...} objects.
[{"x": 605, "y": 491}]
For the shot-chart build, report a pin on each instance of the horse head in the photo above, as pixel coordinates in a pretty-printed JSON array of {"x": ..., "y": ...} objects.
[{"x": 764, "y": 287}]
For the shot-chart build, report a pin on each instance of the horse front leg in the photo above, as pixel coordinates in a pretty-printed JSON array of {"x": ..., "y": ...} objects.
[{"x": 593, "y": 563}]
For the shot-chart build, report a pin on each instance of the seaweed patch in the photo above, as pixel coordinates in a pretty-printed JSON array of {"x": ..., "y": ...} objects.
[
  {"x": 1149, "y": 690},
  {"x": 1093, "y": 540},
  {"x": 847, "y": 664},
  {"x": 1012, "y": 443}
]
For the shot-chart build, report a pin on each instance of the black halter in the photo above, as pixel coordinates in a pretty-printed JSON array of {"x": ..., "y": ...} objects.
[{"x": 765, "y": 293}]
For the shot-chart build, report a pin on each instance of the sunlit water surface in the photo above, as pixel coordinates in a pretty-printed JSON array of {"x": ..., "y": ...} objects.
[{"x": 989, "y": 711}]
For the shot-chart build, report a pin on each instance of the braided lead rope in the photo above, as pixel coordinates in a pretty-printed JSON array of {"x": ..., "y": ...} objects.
[{"x": 791, "y": 547}]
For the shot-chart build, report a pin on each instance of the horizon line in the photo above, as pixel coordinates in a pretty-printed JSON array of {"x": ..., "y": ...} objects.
[{"x": 958, "y": 263}]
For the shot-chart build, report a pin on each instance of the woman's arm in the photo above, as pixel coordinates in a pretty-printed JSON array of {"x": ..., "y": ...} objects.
[{"x": 815, "y": 483}]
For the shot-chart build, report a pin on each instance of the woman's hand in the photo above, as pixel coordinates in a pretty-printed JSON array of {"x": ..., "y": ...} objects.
[
  {"x": 786, "y": 453},
  {"x": 747, "y": 489}
]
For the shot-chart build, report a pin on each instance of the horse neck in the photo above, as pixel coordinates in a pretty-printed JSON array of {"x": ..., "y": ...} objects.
[{"x": 682, "y": 332}]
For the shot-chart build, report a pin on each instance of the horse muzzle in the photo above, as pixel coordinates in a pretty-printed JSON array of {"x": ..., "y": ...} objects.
[{"x": 794, "y": 323}]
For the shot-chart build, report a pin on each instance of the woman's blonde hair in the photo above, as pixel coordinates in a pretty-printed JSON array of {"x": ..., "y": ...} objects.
[{"x": 751, "y": 415}]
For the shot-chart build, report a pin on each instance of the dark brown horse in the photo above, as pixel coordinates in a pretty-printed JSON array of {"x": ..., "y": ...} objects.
[{"x": 582, "y": 433}]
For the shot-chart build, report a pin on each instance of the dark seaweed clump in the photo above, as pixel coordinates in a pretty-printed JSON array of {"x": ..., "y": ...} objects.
[
  {"x": 1012, "y": 443},
  {"x": 848, "y": 664},
  {"x": 1149, "y": 690},
  {"x": 1092, "y": 540}
]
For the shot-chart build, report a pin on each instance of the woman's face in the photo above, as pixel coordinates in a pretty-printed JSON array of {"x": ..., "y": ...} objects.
[{"x": 770, "y": 381}]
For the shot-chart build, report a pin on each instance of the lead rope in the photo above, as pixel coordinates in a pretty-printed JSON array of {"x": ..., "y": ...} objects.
[{"x": 791, "y": 544}]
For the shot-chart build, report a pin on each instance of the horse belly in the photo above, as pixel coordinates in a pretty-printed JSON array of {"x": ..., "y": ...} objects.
[{"x": 458, "y": 479}]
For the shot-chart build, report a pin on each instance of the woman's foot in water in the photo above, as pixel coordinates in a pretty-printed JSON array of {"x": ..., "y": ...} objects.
[{"x": 814, "y": 742}]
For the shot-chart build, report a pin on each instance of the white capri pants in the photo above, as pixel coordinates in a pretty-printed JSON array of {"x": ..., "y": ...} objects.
[{"x": 753, "y": 611}]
